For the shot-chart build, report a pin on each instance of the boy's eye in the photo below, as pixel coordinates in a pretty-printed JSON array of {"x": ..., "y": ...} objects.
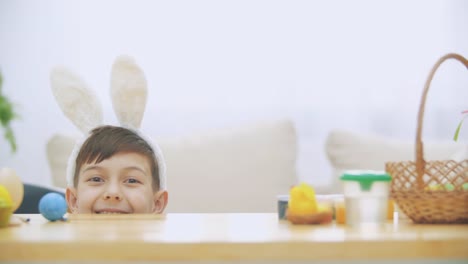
[
  {"x": 95, "y": 179},
  {"x": 131, "y": 180}
]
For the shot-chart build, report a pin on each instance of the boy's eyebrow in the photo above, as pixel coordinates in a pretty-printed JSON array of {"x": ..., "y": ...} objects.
[
  {"x": 135, "y": 168},
  {"x": 91, "y": 168}
]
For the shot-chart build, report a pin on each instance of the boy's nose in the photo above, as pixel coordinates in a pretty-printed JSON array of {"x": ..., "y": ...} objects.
[
  {"x": 112, "y": 196},
  {"x": 112, "y": 193}
]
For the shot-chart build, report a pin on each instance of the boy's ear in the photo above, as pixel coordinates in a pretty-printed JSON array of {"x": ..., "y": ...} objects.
[
  {"x": 70, "y": 195},
  {"x": 160, "y": 201}
]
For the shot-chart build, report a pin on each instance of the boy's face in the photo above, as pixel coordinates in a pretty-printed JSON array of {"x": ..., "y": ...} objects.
[{"x": 120, "y": 184}]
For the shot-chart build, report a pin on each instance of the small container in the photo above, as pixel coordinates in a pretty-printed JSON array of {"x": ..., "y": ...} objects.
[
  {"x": 390, "y": 209},
  {"x": 340, "y": 211},
  {"x": 283, "y": 201},
  {"x": 366, "y": 197},
  {"x": 6, "y": 207},
  {"x": 5, "y": 215}
]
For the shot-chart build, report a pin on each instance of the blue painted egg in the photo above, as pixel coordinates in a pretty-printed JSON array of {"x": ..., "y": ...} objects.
[{"x": 53, "y": 206}]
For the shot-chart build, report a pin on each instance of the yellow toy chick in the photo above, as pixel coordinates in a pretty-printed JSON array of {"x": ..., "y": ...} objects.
[
  {"x": 302, "y": 199},
  {"x": 303, "y": 207}
]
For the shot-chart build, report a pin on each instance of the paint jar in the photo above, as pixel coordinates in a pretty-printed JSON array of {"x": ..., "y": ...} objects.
[{"x": 366, "y": 197}]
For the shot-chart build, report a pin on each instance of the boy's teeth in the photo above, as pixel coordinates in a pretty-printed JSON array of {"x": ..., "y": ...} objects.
[{"x": 109, "y": 212}]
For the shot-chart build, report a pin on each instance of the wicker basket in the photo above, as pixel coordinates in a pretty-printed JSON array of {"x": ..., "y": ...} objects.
[{"x": 412, "y": 186}]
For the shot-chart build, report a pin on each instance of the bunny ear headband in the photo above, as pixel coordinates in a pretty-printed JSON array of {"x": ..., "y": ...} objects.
[{"x": 128, "y": 93}]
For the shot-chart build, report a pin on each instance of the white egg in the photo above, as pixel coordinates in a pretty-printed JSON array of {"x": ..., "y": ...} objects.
[{"x": 14, "y": 185}]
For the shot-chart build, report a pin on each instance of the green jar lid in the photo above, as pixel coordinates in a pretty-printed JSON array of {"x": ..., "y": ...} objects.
[{"x": 365, "y": 177}]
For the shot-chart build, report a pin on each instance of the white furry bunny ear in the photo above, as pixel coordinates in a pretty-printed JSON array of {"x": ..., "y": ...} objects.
[
  {"x": 77, "y": 102},
  {"x": 128, "y": 92}
]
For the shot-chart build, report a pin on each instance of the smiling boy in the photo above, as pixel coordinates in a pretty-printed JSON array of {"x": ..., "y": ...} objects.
[{"x": 116, "y": 171}]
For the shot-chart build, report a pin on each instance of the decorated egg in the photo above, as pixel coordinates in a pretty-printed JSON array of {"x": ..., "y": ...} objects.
[
  {"x": 53, "y": 206},
  {"x": 14, "y": 185}
]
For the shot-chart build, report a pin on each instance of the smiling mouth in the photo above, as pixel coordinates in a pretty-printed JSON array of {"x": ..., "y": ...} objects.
[{"x": 110, "y": 211}]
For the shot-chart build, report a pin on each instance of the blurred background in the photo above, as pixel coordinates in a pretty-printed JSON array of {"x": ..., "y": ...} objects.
[{"x": 356, "y": 65}]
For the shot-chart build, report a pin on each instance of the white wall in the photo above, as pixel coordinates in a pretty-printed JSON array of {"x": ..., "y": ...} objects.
[{"x": 359, "y": 65}]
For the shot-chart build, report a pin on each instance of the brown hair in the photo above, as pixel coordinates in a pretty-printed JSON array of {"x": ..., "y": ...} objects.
[{"x": 106, "y": 141}]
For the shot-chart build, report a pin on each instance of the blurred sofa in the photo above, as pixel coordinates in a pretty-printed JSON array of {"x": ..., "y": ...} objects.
[
  {"x": 239, "y": 169},
  {"x": 33, "y": 194}
]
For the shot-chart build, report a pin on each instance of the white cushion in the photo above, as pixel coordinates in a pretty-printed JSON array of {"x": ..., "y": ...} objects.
[
  {"x": 238, "y": 170},
  {"x": 347, "y": 150}
]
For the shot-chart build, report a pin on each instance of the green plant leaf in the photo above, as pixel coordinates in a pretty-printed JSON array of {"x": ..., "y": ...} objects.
[
  {"x": 7, "y": 114},
  {"x": 6, "y": 111},
  {"x": 457, "y": 131},
  {"x": 11, "y": 138}
]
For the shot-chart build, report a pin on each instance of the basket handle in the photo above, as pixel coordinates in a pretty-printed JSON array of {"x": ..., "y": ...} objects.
[{"x": 420, "y": 162}]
